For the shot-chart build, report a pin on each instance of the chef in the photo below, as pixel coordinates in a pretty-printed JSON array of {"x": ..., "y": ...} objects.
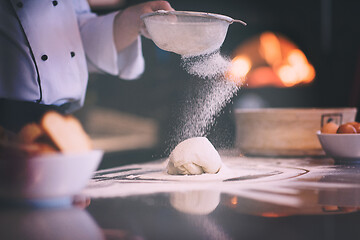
[{"x": 47, "y": 49}]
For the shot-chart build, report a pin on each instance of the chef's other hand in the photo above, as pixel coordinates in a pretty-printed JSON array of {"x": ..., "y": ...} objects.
[{"x": 128, "y": 24}]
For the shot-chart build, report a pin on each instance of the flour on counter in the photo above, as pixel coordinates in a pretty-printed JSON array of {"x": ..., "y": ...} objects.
[{"x": 238, "y": 176}]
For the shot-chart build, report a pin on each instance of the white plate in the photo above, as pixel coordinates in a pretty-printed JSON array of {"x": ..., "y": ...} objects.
[{"x": 47, "y": 177}]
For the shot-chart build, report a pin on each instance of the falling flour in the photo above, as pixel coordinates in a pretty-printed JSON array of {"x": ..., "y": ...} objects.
[
  {"x": 200, "y": 111},
  {"x": 213, "y": 65}
]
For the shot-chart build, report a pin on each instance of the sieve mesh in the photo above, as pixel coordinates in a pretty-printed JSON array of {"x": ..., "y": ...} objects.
[{"x": 187, "y": 33}]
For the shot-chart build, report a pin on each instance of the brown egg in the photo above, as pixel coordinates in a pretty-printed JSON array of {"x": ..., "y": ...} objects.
[
  {"x": 329, "y": 128},
  {"x": 356, "y": 126},
  {"x": 346, "y": 128}
]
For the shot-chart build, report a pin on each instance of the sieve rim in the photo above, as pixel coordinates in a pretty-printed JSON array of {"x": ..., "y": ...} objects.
[{"x": 191, "y": 13}]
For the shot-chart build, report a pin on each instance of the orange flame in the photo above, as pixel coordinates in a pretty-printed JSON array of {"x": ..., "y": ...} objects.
[
  {"x": 234, "y": 201},
  {"x": 271, "y": 60},
  {"x": 270, "y": 48},
  {"x": 272, "y": 215},
  {"x": 239, "y": 68}
]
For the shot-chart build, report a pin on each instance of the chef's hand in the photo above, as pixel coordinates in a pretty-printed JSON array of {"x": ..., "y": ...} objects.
[{"x": 127, "y": 23}]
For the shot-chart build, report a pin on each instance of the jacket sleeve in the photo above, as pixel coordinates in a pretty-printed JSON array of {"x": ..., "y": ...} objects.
[{"x": 99, "y": 46}]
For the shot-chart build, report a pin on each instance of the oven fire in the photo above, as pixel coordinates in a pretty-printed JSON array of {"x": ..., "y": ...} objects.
[{"x": 270, "y": 59}]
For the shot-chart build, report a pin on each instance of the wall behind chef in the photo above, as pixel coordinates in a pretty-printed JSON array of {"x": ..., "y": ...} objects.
[{"x": 48, "y": 48}]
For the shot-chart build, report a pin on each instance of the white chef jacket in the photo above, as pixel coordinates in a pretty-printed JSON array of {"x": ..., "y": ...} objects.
[{"x": 48, "y": 47}]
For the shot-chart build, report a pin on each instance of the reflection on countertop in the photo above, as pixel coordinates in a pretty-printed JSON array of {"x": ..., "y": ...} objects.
[
  {"x": 48, "y": 223},
  {"x": 292, "y": 182},
  {"x": 268, "y": 198}
]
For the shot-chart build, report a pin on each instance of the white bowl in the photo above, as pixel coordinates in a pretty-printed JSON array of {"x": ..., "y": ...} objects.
[
  {"x": 341, "y": 147},
  {"x": 285, "y": 131},
  {"x": 47, "y": 177}
]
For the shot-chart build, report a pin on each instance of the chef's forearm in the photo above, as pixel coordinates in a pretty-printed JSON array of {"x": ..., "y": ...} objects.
[{"x": 126, "y": 29}]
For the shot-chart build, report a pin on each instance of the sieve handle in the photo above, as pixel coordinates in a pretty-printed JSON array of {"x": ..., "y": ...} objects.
[{"x": 239, "y": 21}]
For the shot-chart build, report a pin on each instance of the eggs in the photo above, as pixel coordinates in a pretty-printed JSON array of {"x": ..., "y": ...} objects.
[
  {"x": 346, "y": 128},
  {"x": 356, "y": 126},
  {"x": 330, "y": 127}
]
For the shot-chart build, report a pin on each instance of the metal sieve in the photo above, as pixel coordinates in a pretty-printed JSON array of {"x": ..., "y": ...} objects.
[{"x": 187, "y": 33}]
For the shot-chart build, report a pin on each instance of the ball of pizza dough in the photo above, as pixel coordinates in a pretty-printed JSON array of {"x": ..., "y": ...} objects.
[{"x": 194, "y": 156}]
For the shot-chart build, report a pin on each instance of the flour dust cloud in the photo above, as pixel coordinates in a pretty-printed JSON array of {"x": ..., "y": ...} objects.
[
  {"x": 208, "y": 66},
  {"x": 199, "y": 111}
]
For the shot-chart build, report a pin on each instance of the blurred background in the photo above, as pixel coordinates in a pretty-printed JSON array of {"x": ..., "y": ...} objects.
[{"x": 292, "y": 53}]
